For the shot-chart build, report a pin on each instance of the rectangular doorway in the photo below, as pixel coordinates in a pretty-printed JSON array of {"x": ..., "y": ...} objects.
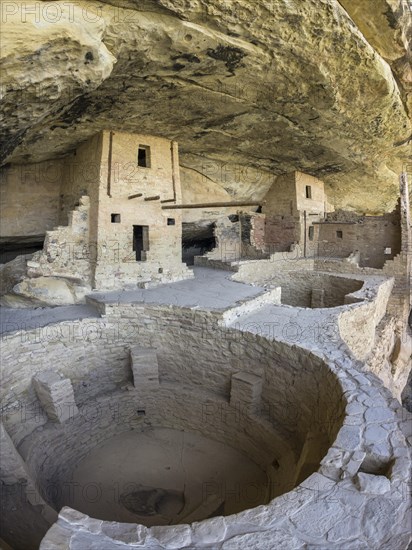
[{"x": 141, "y": 241}]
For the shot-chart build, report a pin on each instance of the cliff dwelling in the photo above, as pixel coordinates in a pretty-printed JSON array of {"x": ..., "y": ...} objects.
[{"x": 205, "y": 277}]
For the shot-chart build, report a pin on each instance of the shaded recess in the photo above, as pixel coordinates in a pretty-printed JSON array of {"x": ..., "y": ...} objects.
[{"x": 197, "y": 240}]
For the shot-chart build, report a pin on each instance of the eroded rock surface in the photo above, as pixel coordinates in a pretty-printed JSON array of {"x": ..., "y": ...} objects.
[{"x": 248, "y": 90}]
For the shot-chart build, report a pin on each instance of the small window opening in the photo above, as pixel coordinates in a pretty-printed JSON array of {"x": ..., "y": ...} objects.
[
  {"x": 308, "y": 191},
  {"x": 311, "y": 232},
  {"x": 143, "y": 156},
  {"x": 115, "y": 218},
  {"x": 141, "y": 412},
  {"x": 171, "y": 221},
  {"x": 388, "y": 251},
  {"x": 160, "y": 270},
  {"x": 339, "y": 234}
]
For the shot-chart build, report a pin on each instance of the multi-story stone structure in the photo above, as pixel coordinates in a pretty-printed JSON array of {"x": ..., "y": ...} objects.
[{"x": 115, "y": 232}]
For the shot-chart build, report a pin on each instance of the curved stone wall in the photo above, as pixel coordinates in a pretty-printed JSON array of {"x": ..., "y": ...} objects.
[
  {"x": 350, "y": 306},
  {"x": 299, "y": 395},
  {"x": 295, "y": 431},
  {"x": 301, "y": 288},
  {"x": 357, "y": 500}
]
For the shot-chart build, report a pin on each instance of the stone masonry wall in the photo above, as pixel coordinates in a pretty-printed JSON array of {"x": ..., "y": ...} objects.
[
  {"x": 21, "y": 503},
  {"x": 365, "y": 471},
  {"x": 294, "y": 202},
  {"x": 400, "y": 300},
  {"x": 66, "y": 251},
  {"x": 80, "y": 177},
  {"x": 252, "y": 234},
  {"x": 136, "y": 195},
  {"x": 281, "y": 232},
  {"x": 281, "y": 198},
  {"x": 97, "y": 245},
  {"x": 60, "y": 273},
  {"x": 298, "y": 281},
  {"x": 100, "y": 371},
  {"x": 371, "y": 235},
  {"x": 227, "y": 233}
]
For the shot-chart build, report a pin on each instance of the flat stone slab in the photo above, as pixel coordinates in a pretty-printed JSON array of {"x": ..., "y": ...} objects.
[
  {"x": 12, "y": 320},
  {"x": 209, "y": 289}
]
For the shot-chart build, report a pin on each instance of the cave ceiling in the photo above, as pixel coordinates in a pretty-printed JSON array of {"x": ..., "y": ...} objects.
[{"x": 248, "y": 89}]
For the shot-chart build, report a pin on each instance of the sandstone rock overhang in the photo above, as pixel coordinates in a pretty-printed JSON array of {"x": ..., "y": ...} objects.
[{"x": 276, "y": 86}]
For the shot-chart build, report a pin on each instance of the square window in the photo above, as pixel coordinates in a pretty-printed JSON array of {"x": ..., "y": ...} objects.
[
  {"x": 115, "y": 218},
  {"x": 339, "y": 234},
  {"x": 171, "y": 221},
  {"x": 308, "y": 191},
  {"x": 143, "y": 156}
]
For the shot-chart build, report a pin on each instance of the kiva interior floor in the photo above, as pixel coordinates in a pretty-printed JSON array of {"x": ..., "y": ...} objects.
[{"x": 163, "y": 476}]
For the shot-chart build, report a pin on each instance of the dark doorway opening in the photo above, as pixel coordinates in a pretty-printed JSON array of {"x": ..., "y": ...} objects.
[
  {"x": 140, "y": 241},
  {"x": 196, "y": 241}
]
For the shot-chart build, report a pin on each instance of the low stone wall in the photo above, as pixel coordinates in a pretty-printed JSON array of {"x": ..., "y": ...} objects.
[
  {"x": 391, "y": 357},
  {"x": 357, "y": 324},
  {"x": 298, "y": 287},
  {"x": 359, "y": 299},
  {"x": 278, "y": 262},
  {"x": 401, "y": 298},
  {"x": 273, "y": 296}
]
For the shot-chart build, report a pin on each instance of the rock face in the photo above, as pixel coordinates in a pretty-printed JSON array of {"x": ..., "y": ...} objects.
[
  {"x": 386, "y": 24},
  {"x": 248, "y": 90},
  {"x": 44, "y": 291}
]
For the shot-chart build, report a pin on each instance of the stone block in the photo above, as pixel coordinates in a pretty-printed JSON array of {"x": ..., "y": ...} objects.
[
  {"x": 373, "y": 484},
  {"x": 212, "y": 531},
  {"x": 246, "y": 390},
  {"x": 56, "y": 396},
  {"x": 12, "y": 468},
  {"x": 145, "y": 367},
  {"x": 175, "y": 537}
]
